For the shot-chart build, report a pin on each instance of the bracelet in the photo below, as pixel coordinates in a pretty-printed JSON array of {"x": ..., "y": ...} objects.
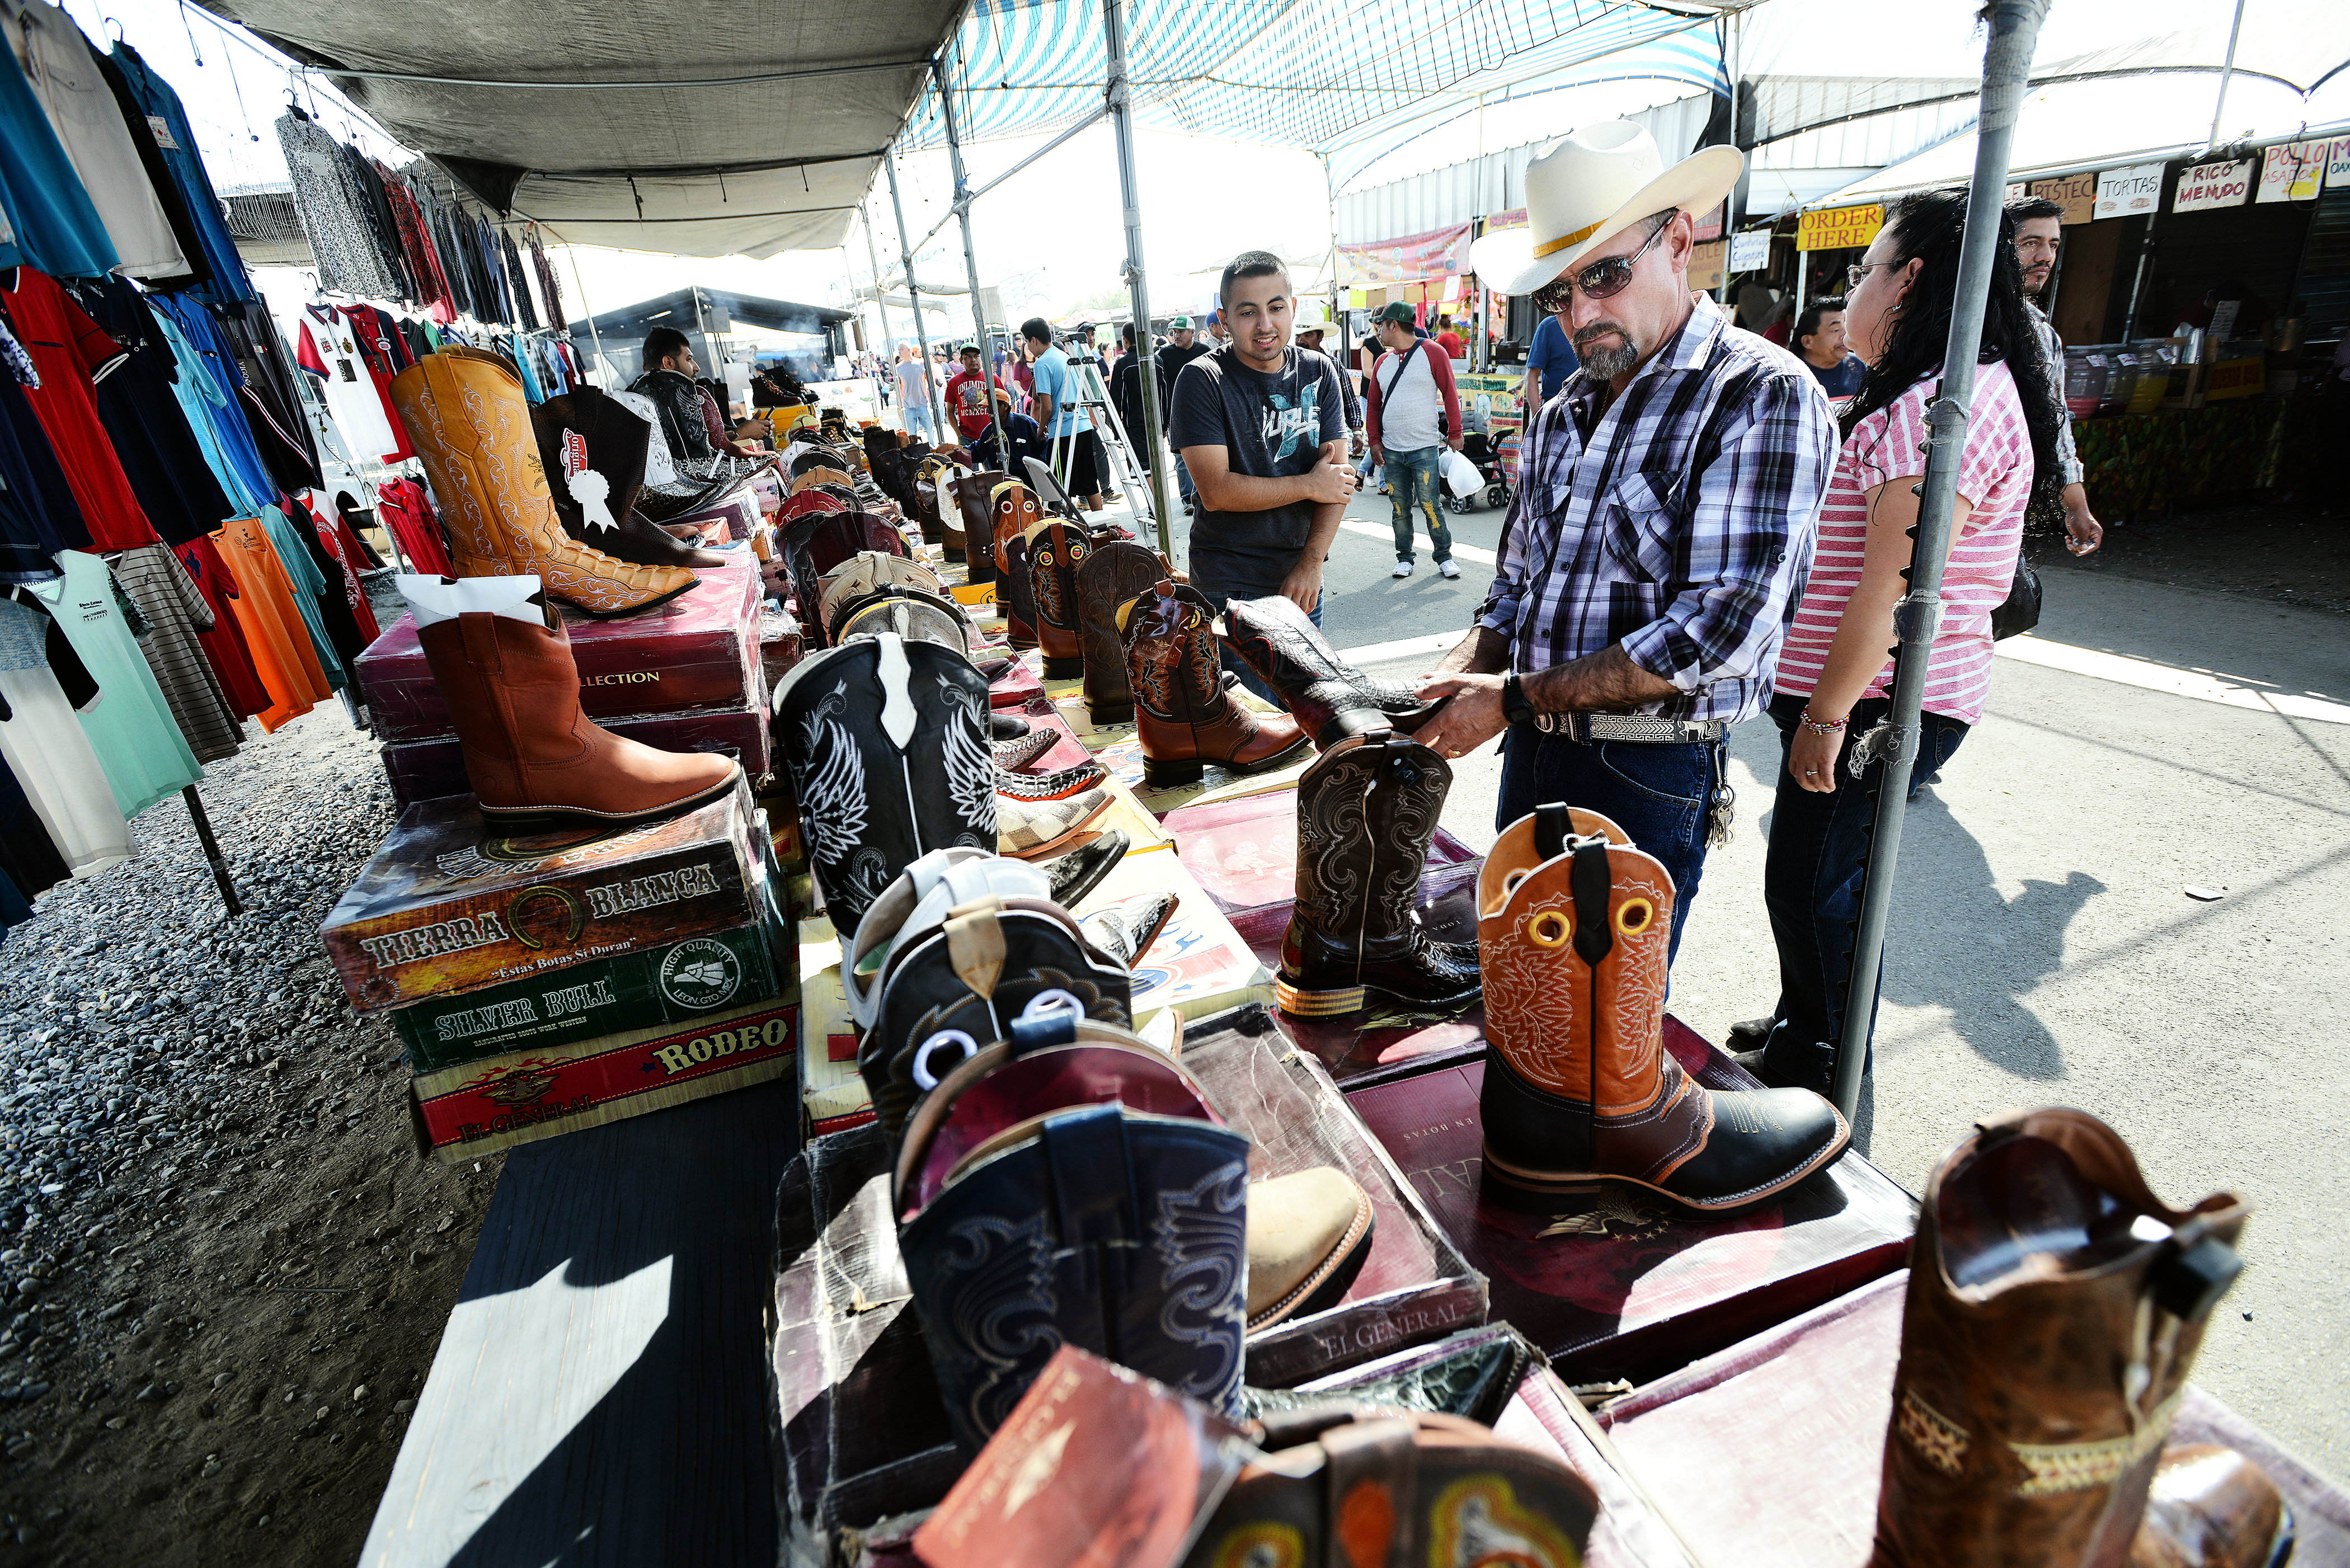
[{"x": 1816, "y": 728}]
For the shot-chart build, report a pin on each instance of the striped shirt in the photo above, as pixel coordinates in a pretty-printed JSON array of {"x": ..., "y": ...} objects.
[
  {"x": 1678, "y": 521},
  {"x": 1994, "y": 481}
]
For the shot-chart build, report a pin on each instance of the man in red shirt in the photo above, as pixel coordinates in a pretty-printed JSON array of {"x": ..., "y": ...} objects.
[
  {"x": 1449, "y": 341},
  {"x": 967, "y": 396}
]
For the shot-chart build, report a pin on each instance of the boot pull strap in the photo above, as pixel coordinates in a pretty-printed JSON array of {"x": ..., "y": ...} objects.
[
  {"x": 1371, "y": 1474},
  {"x": 1554, "y": 823},
  {"x": 975, "y": 946},
  {"x": 1092, "y": 1180},
  {"x": 1054, "y": 1023},
  {"x": 1589, "y": 880},
  {"x": 480, "y": 631}
]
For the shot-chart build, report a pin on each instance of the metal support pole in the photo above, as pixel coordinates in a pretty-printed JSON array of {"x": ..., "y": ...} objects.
[
  {"x": 970, "y": 264},
  {"x": 2226, "y": 71},
  {"x": 211, "y": 847},
  {"x": 1803, "y": 272},
  {"x": 888, "y": 333},
  {"x": 1121, "y": 119},
  {"x": 2137, "y": 280},
  {"x": 1729, "y": 201},
  {"x": 914, "y": 293},
  {"x": 2007, "y": 68},
  {"x": 593, "y": 336}
]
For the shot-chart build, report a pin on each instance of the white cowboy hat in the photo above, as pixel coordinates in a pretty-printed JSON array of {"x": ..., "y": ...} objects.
[
  {"x": 1589, "y": 186},
  {"x": 1309, "y": 317}
]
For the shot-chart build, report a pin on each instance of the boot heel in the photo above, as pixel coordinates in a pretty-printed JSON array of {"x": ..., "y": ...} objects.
[
  {"x": 1301, "y": 1004},
  {"x": 1562, "y": 1194},
  {"x": 1106, "y": 713},
  {"x": 1063, "y": 668},
  {"x": 1167, "y": 775}
]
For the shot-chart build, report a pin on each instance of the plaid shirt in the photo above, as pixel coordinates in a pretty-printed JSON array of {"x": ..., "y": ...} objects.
[{"x": 1678, "y": 521}]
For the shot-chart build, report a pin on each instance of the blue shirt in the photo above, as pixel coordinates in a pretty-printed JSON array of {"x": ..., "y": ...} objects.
[
  {"x": 1551, "y": 357},
  {"x": 1844, "y": 380},
  {"x": 1052, "y": 380}
]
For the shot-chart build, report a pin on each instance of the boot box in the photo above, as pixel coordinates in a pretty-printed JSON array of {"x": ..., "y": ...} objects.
[
  {"x": 467, "y": 1111},
  {"x": 734, "y": 516},
  {"x": 1417, "y": 1285},
  {"x": 671, "y": 984},
  {"x": 698, "y": 651},
  {"x": 420, "y": 770},
  {"x": 782, "y": 644},
  {"x": 1769, "y": 1454},
  {"x": 445, "y": 908},
  {"x": 1624, "y": 1288}
]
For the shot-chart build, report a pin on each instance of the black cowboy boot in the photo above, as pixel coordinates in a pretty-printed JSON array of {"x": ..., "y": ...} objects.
[
  {"x": 1330, "y": 697},
  {"x": 593, "y": 453},
  {"x": 1116, "y": 572},
  {"x": 886, "y": 743},
  {"x": 1366, "y": 813}
]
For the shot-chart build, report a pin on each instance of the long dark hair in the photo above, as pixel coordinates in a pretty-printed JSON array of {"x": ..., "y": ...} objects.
[{"x": 1928, "y": 226}]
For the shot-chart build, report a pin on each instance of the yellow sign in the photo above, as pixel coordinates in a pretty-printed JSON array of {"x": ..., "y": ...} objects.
[
  {"x": 2077, "y": 194},
  {"x": 1839, "y": 228}
]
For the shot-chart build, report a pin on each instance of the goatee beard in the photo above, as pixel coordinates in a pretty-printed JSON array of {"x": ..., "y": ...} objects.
[{"x": 1606, "y": 364}]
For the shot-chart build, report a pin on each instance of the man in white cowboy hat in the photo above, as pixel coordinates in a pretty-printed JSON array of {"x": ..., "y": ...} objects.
[{"x": 1667, "y": 503}]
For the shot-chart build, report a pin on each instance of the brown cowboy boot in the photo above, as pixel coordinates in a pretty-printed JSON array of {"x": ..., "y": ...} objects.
[
  {"x": 1183, "y": 716},
  {"x": 2053, "y": 1312},
  {"x": 970, "y": 536},
  {"x": 1055, "y": 550},
  {"x": 1574, "y": 925},
  {"x": 466, "y": 414},
  {"x": 1366, "y": 813},
  {"x": 2209, "y": 1507},
  {"x": 1115, "y": 572},
  {"x": 1014, "y": 509}
]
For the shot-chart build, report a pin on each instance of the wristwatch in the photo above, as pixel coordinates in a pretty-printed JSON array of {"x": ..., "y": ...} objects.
[{"x": 1514, "y": 706}]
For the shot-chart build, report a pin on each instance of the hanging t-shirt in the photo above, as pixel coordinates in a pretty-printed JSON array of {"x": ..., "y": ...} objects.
[
  {"x": 1271, "y": 427},
  {"x": 45, "y": 747},
  {"x": 177, "y": 616},
  {"x": 329, "y": 351},
  {"x": 129, "y": 726},
  {"x": 70, "y": 351},
  {"x": 49, "y": 220},
  {"x": 223, "y": 641},
  {"x": 276, "y": 634}
]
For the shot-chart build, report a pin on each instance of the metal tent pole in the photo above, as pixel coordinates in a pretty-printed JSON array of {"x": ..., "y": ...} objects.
[
  {"x": 572, "y": 253},
  {"x": 2227, "y": 69},
  {"x": 2007, "y": 67},
  {"x": 914, "y": 293},
  {"x": 211, "y": 846},
  {"x": 970, "y": 264},
  {"x": 873, "y": 259},
  {"x": 1121, "y": 119}
]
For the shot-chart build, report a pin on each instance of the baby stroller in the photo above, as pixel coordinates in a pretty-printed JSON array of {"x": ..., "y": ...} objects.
[{"x": 1491, "y": 486}]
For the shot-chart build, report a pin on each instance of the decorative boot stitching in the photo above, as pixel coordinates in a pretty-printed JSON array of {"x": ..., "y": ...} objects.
[
  {"x": 1938, "y": 1440},
  {"x": 2058, "y": 1467}
]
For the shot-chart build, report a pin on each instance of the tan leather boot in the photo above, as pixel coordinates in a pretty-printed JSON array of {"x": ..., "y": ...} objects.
[
  {"x": 2211, "y": 1507},
  {"x": 1183, "y": 716},
  {"x": 2053, "y": 1312},
  {"x": 536, "y": 761},
  {"x": 466, "y": 414}
]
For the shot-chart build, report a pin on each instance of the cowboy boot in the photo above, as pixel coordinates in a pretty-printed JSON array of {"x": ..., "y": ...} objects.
[
  {"x": 535, "y": 761},
  {"x": 465, "y": 412},
  {"x": 886, "y": 742},
  {"x": 975, "y": 500},
  {"x": 2213, "y": 1508},
  {"x": 1384, "y": 1488},
  {"x": 1309, "y": 1235},
  {"x": 1055, "y": 550},
  {"x": 1115, "y": 572},
  {"x": 1330, "y": 697},
  {"x": 1014, "y": 510},
  {"x": 2053, "y": 1311},
  {"x": 1183, "y": 716},
  {"x": 593, "y": 450},
  {"x": 1574, "y": 925},
  {"x": 1366, "y": 813}
]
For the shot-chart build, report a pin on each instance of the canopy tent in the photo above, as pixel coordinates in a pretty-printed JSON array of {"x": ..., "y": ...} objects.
[
  {"x": 1276, "y": 72},
  {"x": 623, "y": 122},
  {"x": 702, "y": 315}
]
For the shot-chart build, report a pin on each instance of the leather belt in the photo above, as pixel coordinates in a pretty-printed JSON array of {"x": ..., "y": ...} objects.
[{"x": 1643, "y": 728}]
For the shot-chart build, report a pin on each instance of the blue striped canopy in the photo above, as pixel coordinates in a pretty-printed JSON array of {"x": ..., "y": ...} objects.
[{"x": 1317, "y": 74}]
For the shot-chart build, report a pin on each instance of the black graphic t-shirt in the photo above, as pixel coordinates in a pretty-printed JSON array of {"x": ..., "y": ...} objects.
[{"x": 1271, "y": 427}]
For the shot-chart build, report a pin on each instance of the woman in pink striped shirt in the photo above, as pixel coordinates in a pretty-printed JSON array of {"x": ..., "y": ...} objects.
[{"x": 1834, "y": 672}]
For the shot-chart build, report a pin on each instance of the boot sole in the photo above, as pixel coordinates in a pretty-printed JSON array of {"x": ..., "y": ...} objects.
[
  {"x": 1299, "y": 1002},
  {"x": 523, "y": 820},
  {"x": 1110, "y": 714},
  {"x": 1521, "y": 1189},
  {"x": 1187, "y": 770},
  {"x": 654, "y": 603},
  {"x": 1063, "y": 668}
]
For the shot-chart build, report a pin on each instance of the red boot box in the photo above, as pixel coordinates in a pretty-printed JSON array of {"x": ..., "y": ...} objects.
[
  {"x": 424, "y": 770},
  {"x": 1244, "y": 853},
  {"x": 1627, "y": 1289},
  {"x": 699, "y": 651},
  {"x": 1768, "y": 1454}
]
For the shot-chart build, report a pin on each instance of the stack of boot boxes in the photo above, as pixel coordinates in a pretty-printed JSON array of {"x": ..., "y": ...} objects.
[
  {"x": 685, "y": 677},
  {"x": 564, "y": 980}
]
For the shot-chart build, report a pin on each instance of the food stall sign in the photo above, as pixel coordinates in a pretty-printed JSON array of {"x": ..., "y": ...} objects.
[
  {"x": 2076, "y": 194},
  {"x": 2207, "y": 187},
  {"x": 2294, "y": 172},
  {"x": 1750, "y": 252},
  {"x": 1839, "y": 228},
  {"x": 2129, "y": 193}
]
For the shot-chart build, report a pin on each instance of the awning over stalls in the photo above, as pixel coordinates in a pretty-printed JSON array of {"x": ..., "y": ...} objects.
[
  {"x": 704, "y": 314},
  {"x": 730, "y": 127}
]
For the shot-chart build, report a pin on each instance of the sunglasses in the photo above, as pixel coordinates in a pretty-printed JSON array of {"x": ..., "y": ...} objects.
[{"x": 1600, "y": 279}]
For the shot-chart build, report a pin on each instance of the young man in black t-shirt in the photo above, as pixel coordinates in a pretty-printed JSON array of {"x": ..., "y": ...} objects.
[{"x": 1262, "y": 426}]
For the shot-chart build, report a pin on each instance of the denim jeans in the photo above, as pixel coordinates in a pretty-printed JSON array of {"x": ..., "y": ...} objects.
[
  {"x": 1417, "y": 478},
  {"x": 1660, "y": 794},
  {"x": 918, "y": 419},
  {"x": 1811, "y": 882}
]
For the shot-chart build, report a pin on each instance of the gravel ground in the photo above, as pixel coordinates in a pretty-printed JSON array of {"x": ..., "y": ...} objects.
[{"x": 229, "y": 1268}]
